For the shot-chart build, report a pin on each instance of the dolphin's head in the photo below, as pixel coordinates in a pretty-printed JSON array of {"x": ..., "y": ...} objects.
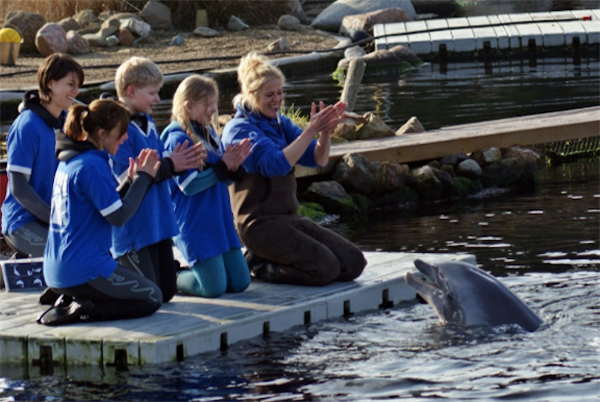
[
  {"x": 439, "y": 291},
  {"x": 463, "y": 294}
]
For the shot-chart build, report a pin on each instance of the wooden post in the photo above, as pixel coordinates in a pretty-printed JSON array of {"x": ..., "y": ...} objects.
[{"x": 356, "y": 69}]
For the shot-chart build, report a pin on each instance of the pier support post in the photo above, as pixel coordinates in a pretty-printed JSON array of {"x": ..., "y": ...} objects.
[{"x": 356, "y": 69}]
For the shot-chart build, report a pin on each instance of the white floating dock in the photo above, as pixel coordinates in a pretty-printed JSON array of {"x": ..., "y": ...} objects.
[
  {"x": 512, "y": 32},
  {"x": 189, "y": 325}
]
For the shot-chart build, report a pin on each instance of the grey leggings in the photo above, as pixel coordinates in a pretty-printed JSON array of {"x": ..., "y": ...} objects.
[
  {"x": 28, "y": 240},
  {"x": 124, "y": 294}
]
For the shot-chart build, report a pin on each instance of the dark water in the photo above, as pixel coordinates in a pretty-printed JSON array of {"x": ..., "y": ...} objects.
[{"x": 544, "y": 245}]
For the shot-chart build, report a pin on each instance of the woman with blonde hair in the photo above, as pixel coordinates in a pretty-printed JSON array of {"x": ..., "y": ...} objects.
[
  {"x": 207, "y": 237},
  {"x": 283, "y": 246}
]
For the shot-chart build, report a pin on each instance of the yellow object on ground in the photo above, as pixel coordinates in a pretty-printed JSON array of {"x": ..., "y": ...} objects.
[{"x": 9, "y": 35}]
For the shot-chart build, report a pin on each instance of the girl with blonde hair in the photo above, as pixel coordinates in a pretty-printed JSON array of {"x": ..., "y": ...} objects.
[
  {"x": 207, "y": 237},
  {"x": 283, "y": 246}
]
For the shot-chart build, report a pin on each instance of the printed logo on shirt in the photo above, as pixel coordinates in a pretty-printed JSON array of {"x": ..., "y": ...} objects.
[{"x": 59, "y": 213}]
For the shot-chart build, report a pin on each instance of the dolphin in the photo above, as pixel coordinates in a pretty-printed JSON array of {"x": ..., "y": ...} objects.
[{"x": 463, "y": 294}]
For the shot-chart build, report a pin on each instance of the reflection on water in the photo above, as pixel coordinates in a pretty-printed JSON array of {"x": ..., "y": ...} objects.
[
  {"x": 545, "y": 246},
  {"x": 555, "y": 229}
]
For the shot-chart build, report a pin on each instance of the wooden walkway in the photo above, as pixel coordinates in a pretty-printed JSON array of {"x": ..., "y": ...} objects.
[
  {"x": 188, "y": 325},
  {"x": 511, "y": 32},
  {"x": 504, "y": 133}
]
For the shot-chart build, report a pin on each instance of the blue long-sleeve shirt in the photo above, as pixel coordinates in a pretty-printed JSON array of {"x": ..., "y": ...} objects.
[{"x": 269, "y": 137}]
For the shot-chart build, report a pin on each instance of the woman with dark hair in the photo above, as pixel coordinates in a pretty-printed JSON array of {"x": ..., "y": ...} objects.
[
  {"x": 30, "y": 153},
  {"x": 86, "y": 203}
]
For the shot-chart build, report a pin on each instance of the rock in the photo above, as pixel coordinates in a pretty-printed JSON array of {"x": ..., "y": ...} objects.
[
  {"x": 113, "y": 22},
  {"x": 357, "y": 35},
  {"x": 84, "y": 17},
  {"x": 365, "y": 22},
  {"x": 448, "y": 169},
  {"x": 461, "y": 187},
  {"x": 136, "y": 27},
  {"x": 469, "y": 169},
  {"x": 125, "y": 37},
  {"x": 76, "y": 44},
  {"x": 312, "y": 210},
  {"x": 108, "y": 31},
  {"x": 51, "y": 38},
  {"x": 453, "y": 159},
  {"x": 95, "y": 39},
  {"x": 356, "y": 173},
  {"x": 491, "y": 155},
  {"x": 528, "y": 155},
  {"x": 288, "y": 23},
  {"x": 205, "y": 32},
  {"x": 425, "y": 182},
  {"x": 345, "y": 131},
  {"x": 112, "y": 40},
  {"x": 331, "y": 18},
  {"x": 444, "y": 178},
  {"x": 157, "y": 15},
  {"x": 298, "y": 12},
  {"x": 413, "y": 125},
  {"x": 177, "y": 41},
  {"x": 69, "y": 24},
  {"x": 332, "y": 196},
  {"x": 390, "y": 176},
  {"x": 354, "y": 118},
  {"x": 373, "y": 128},
  {"x": 235, "y": 24},
  {"x": 354, "y": 51},
  {"x": 28, "y": 23},
  {"x": 93, "y": 27},
  {"x": 279, "y": 45}
]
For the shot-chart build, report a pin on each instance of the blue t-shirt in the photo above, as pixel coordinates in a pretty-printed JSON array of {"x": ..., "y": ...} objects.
[
  {"x": 30, "y": 150},
  {"x": 79, "y": 239},
  {"x": 205, "y": 219},
  {"x": 154, "y": 221},
  {"x": 269, "y": 137}
]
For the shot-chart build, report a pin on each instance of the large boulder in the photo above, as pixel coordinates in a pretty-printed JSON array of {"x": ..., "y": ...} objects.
[
  {"x": 51, "y": 38},
  {"x": 331, "y": 18},
  {"x": 288, "y": 23},
  {"x": 157, "y": 15},
  {"x": 76, "y": 43},
  {"x": 28, "y": 23},
  {"x": 425, "y": 181},
  {"x": 332, "y": 196},
  {"x": 365, "y": 22},
  {"x": 69, "y": 24},
  {"x": 357, "y": 174}
]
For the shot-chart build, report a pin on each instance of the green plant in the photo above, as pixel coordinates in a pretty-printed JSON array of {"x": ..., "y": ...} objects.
[{"x": 296, "y": 116}]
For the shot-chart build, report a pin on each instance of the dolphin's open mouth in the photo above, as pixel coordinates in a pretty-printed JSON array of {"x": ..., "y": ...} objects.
[{"x": 423, "y": 287}]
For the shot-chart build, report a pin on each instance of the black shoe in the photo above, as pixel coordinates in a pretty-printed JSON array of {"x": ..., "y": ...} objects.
[
  {"x": 65, "y": 312},
  {"x": 265, "y": 272},
  {"x": 253, "y": 260},
  {"x": 49, "y": 296}
]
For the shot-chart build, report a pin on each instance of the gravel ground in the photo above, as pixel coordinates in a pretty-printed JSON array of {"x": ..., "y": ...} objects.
[{"x": 227, "y": 44}]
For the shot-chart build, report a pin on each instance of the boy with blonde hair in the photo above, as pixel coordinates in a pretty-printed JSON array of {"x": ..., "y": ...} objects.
[{"x": 144, "y": 243}]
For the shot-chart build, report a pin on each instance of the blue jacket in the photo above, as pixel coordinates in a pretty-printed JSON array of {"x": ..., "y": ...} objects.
[{"x": 270, "y": 137}]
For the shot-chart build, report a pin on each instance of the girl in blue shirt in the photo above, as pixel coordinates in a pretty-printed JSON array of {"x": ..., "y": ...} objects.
[
  {"x": 207, "y": 238},
  {"x": 86, "y": 203},
  {"x": 283, "y": 246},
  {"x": 30, "y": 153}
]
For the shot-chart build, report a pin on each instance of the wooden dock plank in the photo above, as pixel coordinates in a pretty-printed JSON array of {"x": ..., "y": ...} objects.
[
  {"x": 504, "y": 133},
  {"x": 190, "y": 325},
  {"x": 552, "y": 34}
]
